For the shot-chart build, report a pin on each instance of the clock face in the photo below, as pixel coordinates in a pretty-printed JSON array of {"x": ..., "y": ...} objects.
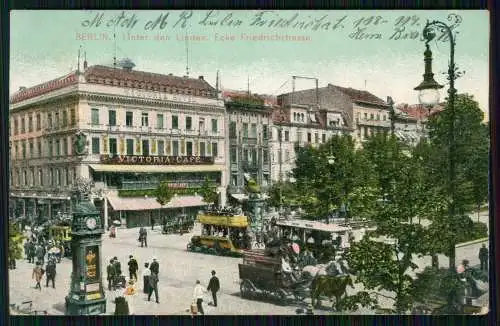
[{"x": 91, "y": 223}]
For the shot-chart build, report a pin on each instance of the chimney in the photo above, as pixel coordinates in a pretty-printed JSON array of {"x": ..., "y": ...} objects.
[{"x": 201, "y": 77}]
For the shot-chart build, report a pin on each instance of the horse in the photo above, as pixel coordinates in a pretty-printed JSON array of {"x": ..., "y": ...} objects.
[
  {"x": 330, "y": 286},
  {"x": 333, "y": 268}
]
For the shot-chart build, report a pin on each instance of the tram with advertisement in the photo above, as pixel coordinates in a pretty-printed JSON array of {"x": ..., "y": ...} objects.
[{"x": 223, "y": 232}]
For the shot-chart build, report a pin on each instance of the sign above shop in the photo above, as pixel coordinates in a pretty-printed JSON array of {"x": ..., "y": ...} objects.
[{"x": 156, "y": 160}]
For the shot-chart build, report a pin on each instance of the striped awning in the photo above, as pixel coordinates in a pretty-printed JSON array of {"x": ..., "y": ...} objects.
[{"x": 139, "y": 203}]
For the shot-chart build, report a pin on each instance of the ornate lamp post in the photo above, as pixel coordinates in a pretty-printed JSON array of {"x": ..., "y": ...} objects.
[{"x": 429, "y": 96}]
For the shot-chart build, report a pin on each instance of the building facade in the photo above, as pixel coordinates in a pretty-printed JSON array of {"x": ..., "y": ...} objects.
[
  {"x": 249, "y": 127},
  {"x": 124, "y": 130},
  {"x": 309, "y": 117}
]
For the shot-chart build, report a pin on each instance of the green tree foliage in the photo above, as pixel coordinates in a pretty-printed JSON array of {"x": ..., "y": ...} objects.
[
  {"x": 282, "y": 194},
  {"x": 15, "y": 242},
  {"x": 207, "y": 191},
  {"x": 330, "y": 175},
  {"x": 163, "y": 193},
  {"x": 469, "y": 184},
  {"x": 384, "y": 257}
]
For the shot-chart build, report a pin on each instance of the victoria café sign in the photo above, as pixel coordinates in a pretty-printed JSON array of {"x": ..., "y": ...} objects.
[{"x": 156, "y": 160}]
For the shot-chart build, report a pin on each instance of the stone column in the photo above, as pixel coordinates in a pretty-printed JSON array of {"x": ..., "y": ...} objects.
[
  {"x": 50, "y": 208},
  {"x": 105, "y": 213}
]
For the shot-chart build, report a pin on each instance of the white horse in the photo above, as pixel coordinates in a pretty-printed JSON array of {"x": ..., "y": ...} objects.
[{"x": 333, "y": 268}]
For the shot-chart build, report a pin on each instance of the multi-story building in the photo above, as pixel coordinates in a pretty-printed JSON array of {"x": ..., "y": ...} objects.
[
  {"x": 410, "y": 121},
  {"x": 304, "y": 117},
  {"x": 249, "y": 151},
  {"x": 125, "y": 130}
]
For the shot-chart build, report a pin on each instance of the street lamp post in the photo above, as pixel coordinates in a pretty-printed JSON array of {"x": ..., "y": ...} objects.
[{"x": 429, "y": 96}]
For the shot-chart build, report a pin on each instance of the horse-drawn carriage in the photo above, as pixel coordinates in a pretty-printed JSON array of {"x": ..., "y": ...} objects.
[{"x": 263, "y": 274}]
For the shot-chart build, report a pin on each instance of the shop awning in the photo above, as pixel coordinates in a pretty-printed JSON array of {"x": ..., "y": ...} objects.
[
  {"x": 139, "y": 204},
  {"x": 239, "y": 197},
  {"x": 137, "y": 168}
]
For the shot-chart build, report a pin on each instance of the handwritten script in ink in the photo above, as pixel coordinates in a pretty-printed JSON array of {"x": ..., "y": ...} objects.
[{"x": 354, "y": 27}]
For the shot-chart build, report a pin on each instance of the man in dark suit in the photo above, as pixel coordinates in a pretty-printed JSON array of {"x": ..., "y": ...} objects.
[
  {"x": 132, "y": 267},
  {"x": 153, "y": 286},
  {"x": 214, "y": 286},
  {"x": 154, "y": 267}
]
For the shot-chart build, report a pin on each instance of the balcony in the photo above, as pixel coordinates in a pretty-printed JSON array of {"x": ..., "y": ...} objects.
[{"x": 249, "y": 140}]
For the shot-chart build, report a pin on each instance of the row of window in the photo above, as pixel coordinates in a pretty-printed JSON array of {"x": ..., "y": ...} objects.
[
  {"x": 375, "y": 117},
  {"x": 161, "y": 147},
  {"x": 161, "y": 120},
  {"x": 34, "y": 121},
  {"x": 43, "y": 177},
  {"x": 248, "y": 132},
  {"x": 235, "y": 179},
  {"x": 370, "y": 131},
  {"x": 249, "y": 156},
  {"x": 33, "y": 148}
]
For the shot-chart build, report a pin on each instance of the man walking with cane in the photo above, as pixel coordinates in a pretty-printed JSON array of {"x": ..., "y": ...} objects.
[{"x": 214, "y": 286}]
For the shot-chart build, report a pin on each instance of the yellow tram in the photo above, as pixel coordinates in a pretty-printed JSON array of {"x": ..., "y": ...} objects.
[{"x": 221, "y": 234}]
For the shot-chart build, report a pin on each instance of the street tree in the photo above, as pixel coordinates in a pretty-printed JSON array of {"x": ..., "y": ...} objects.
[
  {"x": 456, "y": 192},
  {"x": 163, "y": 193},
  {"x": 281, "y": 194},
  {"x": 207, "y": 191},
  {"x": 384, "y": 256},
  {"x": 332, "y": 175}
]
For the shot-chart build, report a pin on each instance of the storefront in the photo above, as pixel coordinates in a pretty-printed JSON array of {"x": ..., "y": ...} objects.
[{"x": 130, "y": 183}]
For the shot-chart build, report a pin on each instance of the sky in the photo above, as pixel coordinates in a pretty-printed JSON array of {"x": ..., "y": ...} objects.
[{"x": 378, "y": 51}]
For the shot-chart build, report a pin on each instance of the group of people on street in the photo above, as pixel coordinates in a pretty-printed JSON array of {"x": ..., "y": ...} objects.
[
  {"x": 199, "y": 293},
  {"x": 49, "y": 271}
]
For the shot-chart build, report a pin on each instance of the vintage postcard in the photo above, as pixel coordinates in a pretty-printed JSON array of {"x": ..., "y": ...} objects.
[{"x": 248, "y": 162}]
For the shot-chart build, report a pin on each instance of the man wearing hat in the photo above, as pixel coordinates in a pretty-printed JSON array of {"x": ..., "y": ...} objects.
[
  {"x": 132, "y": 267},
  {"x": 155, "y": 267},
  {"x": 214, "y": 286}
]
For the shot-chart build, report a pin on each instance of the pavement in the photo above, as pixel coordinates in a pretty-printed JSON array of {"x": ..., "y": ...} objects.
[{"x": 179, "y": 270}]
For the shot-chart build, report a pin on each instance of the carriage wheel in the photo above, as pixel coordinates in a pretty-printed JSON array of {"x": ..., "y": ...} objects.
[{"x": 247, "y": 290}]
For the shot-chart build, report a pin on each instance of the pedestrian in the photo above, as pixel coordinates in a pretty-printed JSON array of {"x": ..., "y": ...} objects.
[
  {"x": 483, "y": 257},
  {"x": 146, "y": 273},
  {"x": 37, "y": 275},
  {"x": 110, "y": 271},
  {"x": 155, "y": 267},
  {"x": 152, "y": 223},
  {"x": 118, "y": 266},
  {"x": 132, "y": 267},
  {"x": 39, "y": 254},
  {"x": 51, "y": 273},
  {"x": 143, "y": 237},
  {"x": 153, "y": 287},
  {"x": 26, "y": 250},
  {"x": 130, "y": 294},
  {"x": 214, "y": 286},
  {"x": 198, "y": 293}
]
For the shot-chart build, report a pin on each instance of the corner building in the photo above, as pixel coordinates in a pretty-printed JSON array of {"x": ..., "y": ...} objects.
[{"x": 125, "y": 130}]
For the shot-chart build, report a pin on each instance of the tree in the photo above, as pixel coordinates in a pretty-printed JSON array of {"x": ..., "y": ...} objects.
[
  {"x": 456, "y": 193},
  {"x": 384, "y": 257},
  {"x": 331, "y": 175},
  {"x": 163, "y": 193},
  {"x": 208, "y": 192},
  {"x": 15, "y": 242},
  {"x": 281, "y": 194}
]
